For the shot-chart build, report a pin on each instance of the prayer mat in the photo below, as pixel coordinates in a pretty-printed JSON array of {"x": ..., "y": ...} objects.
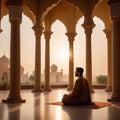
[{"x": 95, "y": 105}]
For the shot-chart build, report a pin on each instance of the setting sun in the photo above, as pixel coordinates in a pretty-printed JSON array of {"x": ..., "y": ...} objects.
[
  {"x": 59, "y": 46},
  {"x": 62, "y": 54}
]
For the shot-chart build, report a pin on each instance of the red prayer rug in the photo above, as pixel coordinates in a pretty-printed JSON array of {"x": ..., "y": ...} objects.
[{"x": 96, "y": 105}]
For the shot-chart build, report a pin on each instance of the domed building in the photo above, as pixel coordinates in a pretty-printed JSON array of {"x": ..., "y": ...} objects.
[
  {"x": 55, "y": 76},
  {"x": 5, "y": 70},
  {"x": 53, "y": 68}
]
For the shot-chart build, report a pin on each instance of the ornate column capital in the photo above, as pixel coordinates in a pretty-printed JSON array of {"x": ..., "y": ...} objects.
[
  {"x": 38, "y": 30},
  {"x": 71, "y": 36},
  {"x": 88, "y": 27},
  {"x": 47, "y": 35},
  {"x": 15, "y": 13}
]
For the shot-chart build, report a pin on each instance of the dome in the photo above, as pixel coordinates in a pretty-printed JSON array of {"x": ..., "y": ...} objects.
[
  {"x": 4, "y": 61},
  {"x": 53, "y": 68}
]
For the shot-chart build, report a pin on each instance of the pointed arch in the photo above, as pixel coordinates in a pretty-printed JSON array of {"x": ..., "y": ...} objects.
[
  {"x": 29, "y": 13},
  {"x": 60, "y": 51},
  {"x": 102, "y": 11},
  {"x": 80, "y": 45},
  {"x": 69, "y": 18},
  {"x": 99, "y": 43}
]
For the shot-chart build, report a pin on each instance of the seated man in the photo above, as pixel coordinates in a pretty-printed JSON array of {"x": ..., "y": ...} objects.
[{"x": 81, "y": 93}]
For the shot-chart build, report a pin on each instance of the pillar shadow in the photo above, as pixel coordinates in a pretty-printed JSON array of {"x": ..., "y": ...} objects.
[
  {"x": 76, "y": 113},
  {"x": 37, "y": 108},
  {"x": 114, "y": 112},
  {"x": 13, "y": 111},
  {"x": 2, "y": 110}
]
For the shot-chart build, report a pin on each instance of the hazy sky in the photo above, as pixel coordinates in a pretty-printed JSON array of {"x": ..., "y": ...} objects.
[{"x": 59, "y": 46}]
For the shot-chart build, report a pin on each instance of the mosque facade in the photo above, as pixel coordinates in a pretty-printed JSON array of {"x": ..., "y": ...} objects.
[
  {"x": 57, "y": 77},
  {"x": 5, "y": 70}
]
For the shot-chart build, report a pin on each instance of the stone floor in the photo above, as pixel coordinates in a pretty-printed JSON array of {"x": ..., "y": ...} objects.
[{"x": 36, "y": 108}]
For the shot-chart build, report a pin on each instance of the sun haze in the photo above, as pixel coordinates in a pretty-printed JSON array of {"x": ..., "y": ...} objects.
[{"x": 59, "y": 46}]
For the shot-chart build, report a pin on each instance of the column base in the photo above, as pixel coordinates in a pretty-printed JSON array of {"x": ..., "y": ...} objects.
[
  {"x": 92, "y": 90},
  {"x": 37, "y": 90},
  {"x": 114, "y": 98},
  {"x": 108, "y": 90},
  {"x": 69, "y": 88},
  {"x": 47, "y": 89},
  {"x": 9, "y": 100}
]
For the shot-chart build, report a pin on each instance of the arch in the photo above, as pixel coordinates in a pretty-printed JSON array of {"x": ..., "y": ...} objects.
[
  {"x": 26, "y": 10},
  {"x": 27, "y": 36},
  {"x": 4, "y": 10},
  {"x": 98, "y": 44},
  {"x": 102, "y": 11},
  {"x": 99, "y": 20},
  {"x": 60, "y": 51},
  {"x": 29, "y": 13},
  {"x": 69, "y": 18},
  {"x": 49, "y": 9},
  {"x": 52, "y": 5}
]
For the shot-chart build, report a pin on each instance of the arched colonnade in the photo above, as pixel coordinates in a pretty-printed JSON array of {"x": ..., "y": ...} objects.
[{"x": 43, "y": 15}]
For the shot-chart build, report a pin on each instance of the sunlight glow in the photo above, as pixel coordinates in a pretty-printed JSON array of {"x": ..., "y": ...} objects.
[
  {"x": 59, "y": 46},
  {"x": 58, "y": 113},
  {"x": 62, "y": 54}
]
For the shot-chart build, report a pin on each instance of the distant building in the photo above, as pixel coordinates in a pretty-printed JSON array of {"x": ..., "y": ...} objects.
[
  {"x": 5, "y": 70},
  {"x": 56, "y": 77}
]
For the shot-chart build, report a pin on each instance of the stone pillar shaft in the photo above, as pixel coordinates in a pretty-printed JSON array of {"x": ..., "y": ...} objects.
[
  {"x": 71, "y": 37},
  {"x": 38, "y": 33},
  {"x": 15, "y": 16},
  {"x": 115, "y": 15},
  {"x": 88, "y": 32},
  {"x": 47, "y": 35},
  {"x": 116, "y": 60},
  {"x": 109, "y": 47}
]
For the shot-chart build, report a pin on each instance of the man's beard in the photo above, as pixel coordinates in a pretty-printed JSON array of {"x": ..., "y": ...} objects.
[{"x": 76, "y": 74}]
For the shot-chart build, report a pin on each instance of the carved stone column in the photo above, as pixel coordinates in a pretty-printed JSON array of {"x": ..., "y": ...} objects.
[
  {"x": 109, "y": 47},
  {"x": 71, "y": 37},
  {"x": 88, "y": 31},
  {"x": 115, "y": 15},
  {"x": 38, "y": 32},
  {"x": 47, "y": 35},
  {"x": 15, "y": 16}
]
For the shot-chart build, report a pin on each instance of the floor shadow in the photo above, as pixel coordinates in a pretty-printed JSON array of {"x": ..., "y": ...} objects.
[{"x": 76, "y": 113}]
